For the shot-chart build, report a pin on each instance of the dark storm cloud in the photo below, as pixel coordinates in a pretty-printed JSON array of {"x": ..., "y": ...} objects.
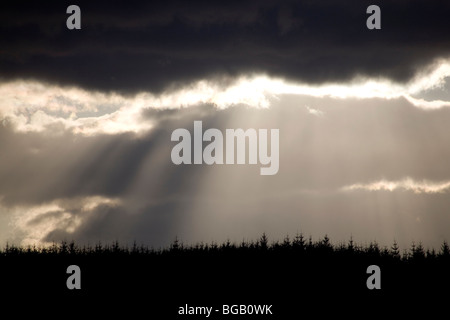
[{"x": 132, "y": 45}]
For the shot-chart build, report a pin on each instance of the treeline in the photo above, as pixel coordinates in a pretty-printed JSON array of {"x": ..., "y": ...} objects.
[{"x": 297, "y": 246}]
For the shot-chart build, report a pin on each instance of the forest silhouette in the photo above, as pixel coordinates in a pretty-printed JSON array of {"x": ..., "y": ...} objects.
[
  {"x": 287, "y": 274},
  {"x": 298, "y": 246}
]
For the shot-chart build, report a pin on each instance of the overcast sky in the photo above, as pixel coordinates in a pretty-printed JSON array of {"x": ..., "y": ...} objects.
[{"x": 86, "y": 118}]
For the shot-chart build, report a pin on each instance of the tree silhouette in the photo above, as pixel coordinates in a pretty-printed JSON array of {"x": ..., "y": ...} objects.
[
  {"x": 286, "y": 242},
  {"x": 298, "y": 243},
  {"x": 395, "y": 251},
  {"x": 263, "y": 241},
  {"x": 351, "y": 246},
  {"x": 445, "y": 250},
  {"x": 418, "y": 252}
]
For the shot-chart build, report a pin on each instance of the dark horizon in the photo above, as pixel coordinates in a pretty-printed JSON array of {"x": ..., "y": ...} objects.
[
  {"x": 299, "y": 243},
  {"x": 282, "y": 275}
]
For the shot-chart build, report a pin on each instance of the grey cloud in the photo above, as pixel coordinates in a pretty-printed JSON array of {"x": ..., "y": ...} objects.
[
  {"x": 133, "y": 46},
  {"x": 440, "y": 93},
  {"x": 59, "y": 166},
  {"x": 45, "y": 216},
  {"x": 155, "y": 226}
]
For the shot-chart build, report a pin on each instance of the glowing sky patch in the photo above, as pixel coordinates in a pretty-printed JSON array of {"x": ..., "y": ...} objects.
[
  {"x": 406, "y": 184},
  {"x": 34, "y": 106}
]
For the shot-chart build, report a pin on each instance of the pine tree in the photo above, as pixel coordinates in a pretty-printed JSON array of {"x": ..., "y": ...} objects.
[
  {"x": 310, "y": 245},
  {"x": 419, "y": 252},
  {"x": 395, "y": 251},
  {"x": 299, "y": 242},
  {"x": 244, "y": 244},
  {"x": 72, "y": 248},
  {"x": 326, "y": 241},
  {"x": 286, "y": 242},
  {"x": 373, "y": 248},
  {"x": 134, "y": 249},
  {"x": 115, "y": 247},
  {"x": 325, "y": 246},
  {"x": 431, "y": 254},
  {"x": 405, "y": 255},
  {"x": 445, "y": 250},
  {"x": 263, "y": 241},
  {"x": 351, "y": 246},
  {"x": 413, "y": 248},
  {"x": 63, "y": 248},
  {"x": 385, "y": 252},
  {"x": 228, "y": 244},
  {"x": 175, "y": 246}
]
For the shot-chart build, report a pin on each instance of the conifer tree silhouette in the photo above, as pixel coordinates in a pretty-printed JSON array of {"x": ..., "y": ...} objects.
[
  {"x": 286, "y": 242},
  {"x": 418, "y": 253},
  {"x": 299, "y": 242},
  {"x": 351, "y": 247},
  {"x": 395, "y": 251},
  {"x": 263, "y": 241},
  {"x": 445, "y": 250},
  {"x": 175, "y": 246}
]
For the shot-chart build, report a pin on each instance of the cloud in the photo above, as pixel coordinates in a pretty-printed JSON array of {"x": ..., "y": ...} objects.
[
  {"x": 406, "y": 184},
  {"x": 131, "y": 47},
  {"x": 32, "y": 106},
  {"x": 315, "y": 112},
  {"x": 424, "y": 104},
  {"x": 30, "y": 225}
]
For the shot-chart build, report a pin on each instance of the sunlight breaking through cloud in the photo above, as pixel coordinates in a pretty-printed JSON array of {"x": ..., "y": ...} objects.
[{"x": 34, "y": 106}]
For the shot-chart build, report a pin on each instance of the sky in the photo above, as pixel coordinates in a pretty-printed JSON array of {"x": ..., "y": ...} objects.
[{"x": 86, "y": 118}]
